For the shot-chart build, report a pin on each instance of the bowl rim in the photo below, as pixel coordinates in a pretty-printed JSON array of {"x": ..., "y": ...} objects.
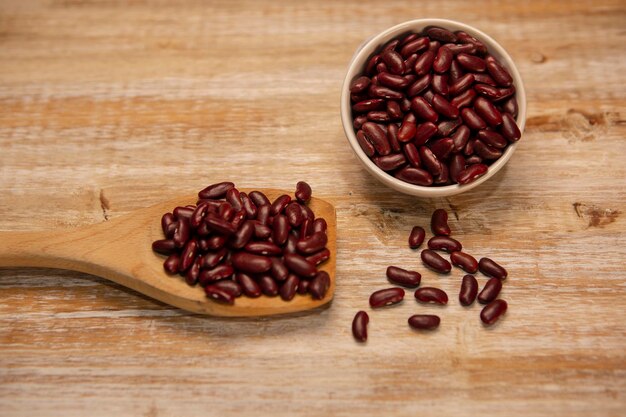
[{"x": 360, "y": 57}]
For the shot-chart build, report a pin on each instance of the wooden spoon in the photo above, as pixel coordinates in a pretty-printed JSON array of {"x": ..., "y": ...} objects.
[{"x": 121, "y": 250}]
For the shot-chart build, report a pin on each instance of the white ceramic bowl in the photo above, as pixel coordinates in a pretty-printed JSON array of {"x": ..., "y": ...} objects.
[{"x": 356, "y": 68}]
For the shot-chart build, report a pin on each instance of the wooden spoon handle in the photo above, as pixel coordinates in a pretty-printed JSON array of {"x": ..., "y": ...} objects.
[{"x": 30, "y": 249}]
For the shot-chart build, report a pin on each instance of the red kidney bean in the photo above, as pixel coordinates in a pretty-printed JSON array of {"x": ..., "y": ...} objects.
[
  {"x": 197, "y": 217},
  {"x": 443, "y": 107},
  {"x": 460, "y": 138},
  {"x": 419, "y": 86},
  {"x": 378, "y": 116},
  {"x": 280, "y": 229},
  {"x": 251, "y": 263},
  {"x": 365, "y": 144},
  {"x": 225, "y": 211},
  {"x": 392, "y": 136},
  {"x": 248, "y": 285},
  {"x": 359, "y": 84},
  {"x": 434, "y": 46},
  {"x": 474, "y": 159},
  {"x": 391, "y": 45},
  {"x": 303, "y": 286},
  {"x": 435, "y": 261},
  {"x": 509, "y": 128},
  {"x": 405, "y": 105},
  {"x": 424, "y": 110},
  {"x": 462, "y": 48},
  {"x": 294, "y": 214},
  {"x": 424, "y": 132},
  {"x": 444, "y": 243},
  {"x": 490, "y": 291},
  {"x": 431, "y": 295},
  {"x": 487, "y": 111},
  {"x": 259, "y": 199},
  {"x": 472, "y": 119},
  {"x": 263, "y": 248},
  {"x": 172, "y": 263},
  {"x": 320, "y": 225},
  {"x": 403, "y": 277},
  {"x": 441, "y": 34},
  {"x": 389, "y": 162},
  {"x": 447, "y": 127},
  {"x": 188, "y": 255},
  {"x": 212, "y": 259},
  {"x": 439, "y": 223},
  {"x": 219, "y": 225},
  {"x": 380, "y": 91},
  {"x": 443, "y": 60},
  {"x": 306, "y": 229},
  {"x": 181, "y": 233},
  {"x": 166, "y": 223},
  {"x": 233, "y": 196},
  {"x": 490, "y": 268},
  {"x": 510, "y": 106},
  {"x": 430, "y": 161},
  {"x": 219, "y": 294},
  {"x": 393, "y": 60},
  {"x": 424, "y": 321},
  {"x": 461, "y": 85},
  {"x": 424, "y": 63},
  {"x": 415, "y": 176},
  {"x": 299, "y": 265},
  {"x": 221, "y": 271},
  {"x": 359, "y": 326},
  {"x": 456, "y": 71},
  {"x": 442, "y": 148},
  {"x": 500, "y": 75},
  {"x": 318, "y": 257},
  {"x": 238, "y": 219},
  {"x": 388, "y": 296},
  {"x": 229, "y": 285},
  {"x": 192, "y": 274},
  {"x": 262, "y": 231},
  {"x": 279, "y": 204},
  {"x": 288, "y": 289},
  {"x": 492, "y": 138},
  {"x": 469, "y": 148},
  {"x": 263, "y": 214},
  {"x": 242, "y": 236},
  {"x": 412, "y": 155},
  {"x": 365, "y": 106},
  {"x": 468, "y": 39},
  {"x": 471, "y": 63},
  {"x": 278, "y": 270},
  {"x": 464, "y": 99},
  {"x": 311, "y": 244},
  {"x": 371, "y": 64},
  {"x": 409, "y": 117},
  {"x": 416, "y": 237},
  {"x": 469, "y": 289},
  {"x": 465, "y": 261},
  {"x": 406, "y": 132},
  {"x": 377, "y": 136},
  {"x": 319, "y": 285},
  {"x": 493, "y": 311},
  {"x": 414, "y": 46},
  {"x": 481, "y": 78},
  {"x": 471, "y": 173},
  {"x": 216, "y": 191},
  {"x": 396, "y": 82},
  {"x": 215, "y": 242},
  {"x": 393, "y": 110},
  {"x": 443, "y": 177},
  {"x": 269, "y": 287},
  {"x": 164, "y": 246},
  {"x": 357, "y": 98},
  {"x": 485, "y": 151},
  {"x": 358, "y": 121},
  {"x": 457, "y": 164},
  {"x": 492, "y": 92}
]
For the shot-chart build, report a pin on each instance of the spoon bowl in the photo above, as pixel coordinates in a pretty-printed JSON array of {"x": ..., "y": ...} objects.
[{"x": 120, "y": 250}]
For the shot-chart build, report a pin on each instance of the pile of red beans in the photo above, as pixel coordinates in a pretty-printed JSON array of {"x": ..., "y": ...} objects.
[
  {"x": 233, "y": 244},
  {"x": 468, "y": 293},
  {"x": 434, "y": 108}
]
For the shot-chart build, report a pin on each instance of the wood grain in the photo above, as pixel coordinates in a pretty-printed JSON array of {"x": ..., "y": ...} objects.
[{"x": 107, "y": 107}]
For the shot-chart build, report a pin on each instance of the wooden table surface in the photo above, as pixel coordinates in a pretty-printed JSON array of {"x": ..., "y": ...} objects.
[{"x": 106, "y": 107}]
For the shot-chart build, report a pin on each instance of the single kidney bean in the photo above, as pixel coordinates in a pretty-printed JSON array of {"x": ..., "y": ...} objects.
[
  {"x": 447, "y": 127},
  {"x": 490, "y": 291},
  {"x": 238, "y": 219},
  {"x": 510, "y": 106},
  {"x": 390, "y": 162},
  {"x": 464, "y": 99},
  {"x": 263, "y": 248},
  {"x": 474, "y": 159},
  {"x": 303, "y": 192},
  {"x": 424, "y": 321},
  {"x": 424, "y": 132},
  {"x": 403, "y": 277},
  {"x": 268, "y": 285},
  {"x": 280, "y": 229},
  {"x": 444, "y": 243},
  {"x": 181, "y": 233},
  {"x": 462, "y": 48},
  {"x": 242, "y": 236},
  {"x": 278, "y": 270},
  {"x": 172, "y": 263},
  {"x": 431, "y": 295},
  {"x": 457, "y": 164},
  {"x": 359, "y": 326},
  {"x": 358, "y": 121},
  {"x": 164, "y": 246},
  {"x": 215, "y": 242},
  {"x": 456, "y": 71},
  {"x": 490, "y": 268},
  {"x": 471, "y": 173},
  {"x": 435, "y": 261},
  {"x": 279, "y": 204},
  {"x": 393, "y": 110},
  {"x": 188, "y": 255},
  {"x": 492, "y": 92},
  {"x": 365, "y": 144},
  {"x": 463, "y": 37},
  {"x": 380, "y": 91},
  {"x": 419, "y": 85},
  {"x": 219, "y": 294},
  {"x": 197, "y": 217},
  {"x": 288, "y": 290},
  {"x": 472, "y": 119},
  {"x": 388, "y": 296},
  {"x": 306, "y": 229},
  {"x": 259, "y": 199},
  {"x": 261, "y": 231},
  {"x": 318, "y": 257},
  {"x": 484, "y": 79},
  {"x": 485, "y": 151},
  {"x": 443, "y": 177},
  {"x": 319, "y": 285},
  {"x": 414, "y": 46},
  {"x": 397, "y": 82},
  {"x": 392, "y": 136},
  {"x": 359, "y": 84},
  {"x": 233, "y": 196},
  {"x": 377, "y": 136},
  {"x": 416, "y": 237},
  {"x": 405, "y": 106},
  {"x": 471, "y": 63},
  {"x": 251, "y": 263},
  {"x": 378, "y": 116},
  {"x": 406, "y": 132},
  {"x": 299, "y": 265},
  {"x": 167, "y": 220},
  {"x": 221, "y": 271},
  {"x": 371, "y": 64},
  {"x": 460, "y": 138},
  {"x": 248, "y": 285},
  {"x": 391, "y": 45},
  {"x": 303, "y": 286},
  {"x": 442, "y": 61},
  {"x": 439, "y": 223},
  {"x": 393, "y": 60},
  {"x": 219, "y": 225},
  {"x": 263, "y": 214},
  {"x": 294, "y": 214},
  {"x": 424, "y": 63},
  {"x": 320, "y": 225},
  {"x": 443, "y": 107},
  {"x": 225, "y": 211},
  {"x": 498, "y": 72},
  {"x": 366, "y": 106},
  {"x": 430, "y": 161},
  {"x": 311, "y": 244},
  {"x": 509, "y": 128},
  {"x": 461, "y": 85},
  {"x": 412, "y": 155},
  {"x": 493, "y": 311},
  {"x": 216, "y": 191},
  {"x": 492, "y": 138},
  {"x": 192, "y": 274},
  {"x": 442, "y": 148},
  {"x": 441, "y": 34},
  {"x": 415, "y": 176},
  {"x": 212, "y": 259},
  {"x": 487, "y": 111},
  {"x": 423, "y": 109},
  {"x": 465, "y": 261},
  {"x": 469, "y": 289},
  {"x": 229, "y": 285}
]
